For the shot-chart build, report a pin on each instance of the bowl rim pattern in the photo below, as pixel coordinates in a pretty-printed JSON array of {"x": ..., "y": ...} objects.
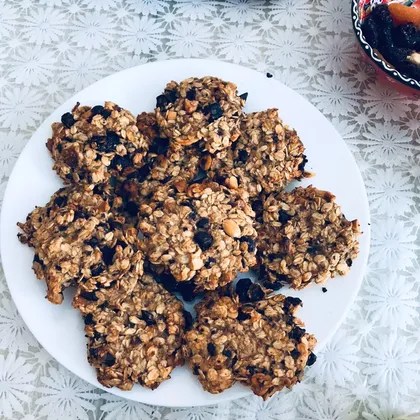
[{"x": 391, "y": 71}]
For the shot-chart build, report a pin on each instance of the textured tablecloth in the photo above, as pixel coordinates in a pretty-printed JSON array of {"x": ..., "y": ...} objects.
[{"x": 50, "y": 49}]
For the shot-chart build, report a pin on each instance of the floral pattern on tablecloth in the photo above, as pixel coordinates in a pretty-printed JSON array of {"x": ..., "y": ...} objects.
[{"x": 50, "y": 49}]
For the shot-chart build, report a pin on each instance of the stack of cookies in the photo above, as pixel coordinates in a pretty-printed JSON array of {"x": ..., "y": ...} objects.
[{"x": 172, "y": 205}]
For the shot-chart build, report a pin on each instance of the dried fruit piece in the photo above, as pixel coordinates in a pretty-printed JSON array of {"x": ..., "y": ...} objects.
[
  {"x": 405, "y": 36},
  {"x": 402, "y": 15},
  {"x": 370, "y": 31}
]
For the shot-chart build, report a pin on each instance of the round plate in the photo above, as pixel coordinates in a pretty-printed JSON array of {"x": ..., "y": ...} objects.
[{"x": 59, "y": 329}]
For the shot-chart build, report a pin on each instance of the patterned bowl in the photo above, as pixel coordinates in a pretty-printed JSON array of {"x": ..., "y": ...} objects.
[{"x": 360, "y": 9}]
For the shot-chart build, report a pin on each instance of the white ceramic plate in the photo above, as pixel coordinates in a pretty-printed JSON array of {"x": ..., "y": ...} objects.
[{"x": 59, "y": 329}]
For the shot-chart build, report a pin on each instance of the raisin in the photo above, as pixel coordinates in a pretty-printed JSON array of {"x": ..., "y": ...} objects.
[
  {"x": 311, "y": 250},
  {"x": 132, "y": 208},
  {"x": 90, "y": 296},
  {"x": 113, "y": 224},
  {"x": 108, "y": 254},
  {"x": 244, "y": 96},
  {"x": 210, "y": 262},
  {"x": 188, "y": 204},
  {"x": 147, "y": 317},
  {"x": 269, "y": 75},
  {"x": 411, "y": 70},
  {"x": 71, "y": 158},
  {"x": 57, "y": 267},
  {"x": 191, "y": 94},
  {"x": 186, "y": 288},
  {"x": 251, "y": 370},
  {"x": 405, "y": 36},
  {"x": 121, "y": 162},
  {"x": 220, "y": 179},
  {"x": 258, "y": 206},
  {"x": 93, "y": 352},
  {"x": 109, "y": 360},
  {"x": 255, "y": 293},
  {"x": 192, "y": 215},
  {"x": 203, "y": 223},
  {"x": 292, "y": 301},
  {"x": 227, "y": 353},
  {"x": 97, "y": 139},
  {"x": 370, "y": 31},
  {"x": 215, "y": 111},
  {"x": 97, "y": 269},
  {"x": 302, "y": 164},
  {"x": 311, "y": 359},
  {"x": 396, "y": 56},
  {"x": 382, "y": 15},
  {"x": 324, "y": 290},
  {"x": 106, "y": 113},
  {"x": 112, "y": 140},
  {"x": 273, "y": 285},
  {"x": 62, "y": 228},
  {"x": 144, "y": 171},
  {"x": 89, "y": 319},
  {"x": 243, "y": 316},
  {"x": 80, "y": 214},
  {"x": 60, "y": 148},
  {"x": 168, "y": 282},
  {"x": 386, "y": 41},
  {"x": 284, "y": 217},
  {"x": 67, "y": 119},
  {"x": 211, "y": 348},
  {"x": 93, "y": 242},
  {"x": 196, "y": 370},
  {"x": 97, "y": 109},
  {"x": 188, "y": 320},
  {"x": 297, "y": 333},
  {"x": 136, "y": 341},
  {"x": 162, "y": 102},
  {"x": 60, "y": 201},
  {"x": 97, "y": 335},
  {"x": 171, "y": 95},
  {"x": 243, "y": 156},
  {"x": 295, "y": 354},
  {"x": 159, "y": 146},
  {"x": 250, "y": 241},
  {"x": 242, "y": 288},
  {"x": 204, "y": 240}
]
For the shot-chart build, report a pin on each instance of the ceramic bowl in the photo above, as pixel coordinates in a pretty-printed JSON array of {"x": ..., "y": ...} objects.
[{"x": 359, "y": 10}]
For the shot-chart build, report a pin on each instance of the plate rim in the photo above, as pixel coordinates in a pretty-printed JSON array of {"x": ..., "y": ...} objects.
[{"x": 73, "y": 98}]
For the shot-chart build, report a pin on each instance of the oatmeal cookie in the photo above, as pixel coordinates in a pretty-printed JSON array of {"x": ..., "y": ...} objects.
[
  {"x": 304, "y": 238},
  {"x": 166, "y": 163},
  {"x": 205, "y": 234},
  {"x": 266, "y": 157},
  {"x": 139, "y": 339},
  {"x": 75, "y": 237},
  {"x": 92, "y": 144},
  {"x": 207, "y": 109},
  {"x": 260, "y": 344}
]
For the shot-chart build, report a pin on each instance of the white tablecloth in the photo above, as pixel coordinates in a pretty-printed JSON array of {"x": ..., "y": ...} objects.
[{"x": 50, "y": 49}]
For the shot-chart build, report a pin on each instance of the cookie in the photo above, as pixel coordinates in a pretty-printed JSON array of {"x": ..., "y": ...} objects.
[
  {"x": 137, "y": 340},
  {"x": 75, "y": 237},
  {"x": 266, "y": 157},
  {"x": 304, "y": 238},
  {"x": 259, "y": 344},
  {"x": 166, "y": 163},
  {"x": 207, "y": 109},
  {"x": 204, "y": 235},
  {"x": 92, "y": 144}
]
